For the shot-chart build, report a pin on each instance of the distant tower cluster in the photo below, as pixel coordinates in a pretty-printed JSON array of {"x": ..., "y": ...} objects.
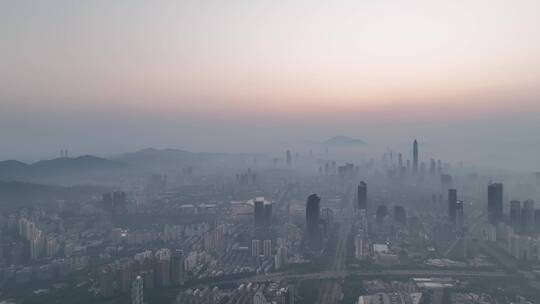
[{"x": 63, "y": 153}]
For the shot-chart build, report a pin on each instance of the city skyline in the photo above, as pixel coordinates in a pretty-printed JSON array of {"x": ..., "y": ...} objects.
[{"x": 131, "y": 75}]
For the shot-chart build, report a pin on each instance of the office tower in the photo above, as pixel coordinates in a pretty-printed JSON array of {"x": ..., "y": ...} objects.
[
  {"x": 288, "y": 158},
  {"x": 452, "y": 204},
  {"x": 537, "y": 220},
  {"x": 382, "y": 212},
  {"x": 515, "y": 215},
  {"x": 460, "y": 215},
  {"x": 527, "y": 216},
  {"x": 258, "y": 212},
  {"x": 267, "y": 220},
  {"x": 432, "y": 167},
  {"x": 495, "y": 203},
  {"x": 400, "y": 216},
  {"x": 362, "y": 196},
  {"x": 267, "y": 248},
  {"x": 415, "y": 156},
  {"x": 163, "y": 267},
  {"x": 312, "y": 220},
  {"x": 177, "y": 267},
  {"x": 255, "y": 248},
  {"x": 400, "y": 160},
  {"x": 137, "y": 291},
  {"x": 439, "y": 166}
]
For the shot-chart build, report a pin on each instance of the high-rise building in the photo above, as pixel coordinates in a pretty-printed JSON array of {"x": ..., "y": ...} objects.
[
  {"x": 537, "y": 220},
  {"x": 400, "y": 216},
  {"x": 362, "y": 195},
  {"x": 258, "y": 211},
  {"x": 452, "y": 204},
  {"x": 262, "y": 212},
  {"x": 400, "y": 160},
  {"x": 288, "y": 158},
  {"x": 415, "y": 156},
  {"x": 382, "y": 212},
  {"x": 163, "y": 267},
  {"x": 515, "y": 215},
  {"x": 527, "y": 217},
  {"x": 432, "y": 167},
  {"x": 255, "y": 248},
  {"x": 267, "y": 220},
  {"x": 177, "y": 267},
  {"x": 460, "y": 215},
  {"x": 313, "y": 211},
  {"x": 137, "y": 291},
  {"x": 267, "y": 248},
  {"x": 495, "y": 203}
]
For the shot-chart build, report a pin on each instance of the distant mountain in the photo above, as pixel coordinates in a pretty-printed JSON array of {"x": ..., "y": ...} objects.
[
  {"x": 344, "y": 141},
  {"x": 64, "y": 168}
]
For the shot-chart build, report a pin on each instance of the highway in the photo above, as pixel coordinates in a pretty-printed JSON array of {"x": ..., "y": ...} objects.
[{"x": 330, "y": 291}]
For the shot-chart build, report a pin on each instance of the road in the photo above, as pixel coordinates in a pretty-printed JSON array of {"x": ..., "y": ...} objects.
[{"x": 330, "y": 291}]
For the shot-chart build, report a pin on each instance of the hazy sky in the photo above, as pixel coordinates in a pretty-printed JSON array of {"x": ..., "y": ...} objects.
[{"x": 110, "y": 76}]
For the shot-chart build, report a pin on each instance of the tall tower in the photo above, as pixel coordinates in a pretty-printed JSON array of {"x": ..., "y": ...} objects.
[
  {"x": 415, "y": 156},
  {"x": 313, "y": 211},
  {"x": 527, "y": 216},
  {"x": 362, "y": 196},
  {"x": 515, "y": 215},
  {"x": 495, "y": 203},
  {"x": 137, "y": 291},
  {"x": 452, "y": 204},
  {"x": 258, "y": 211}
]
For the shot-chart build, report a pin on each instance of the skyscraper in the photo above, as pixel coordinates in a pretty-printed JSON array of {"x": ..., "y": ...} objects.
[
  {"x": 400, "y": 216},
  {"x": 267, "y": 219},
  {"x": 137, "y": 291},
  {"x": 400, "y": 160},
  {"x": 452, "y": 204},
  {"x": 177, "y": 265},
  {"x": 432, "y": 167},
  {"x": 382, "y": 212},
  {"x": 362, "y": 196},
  {"x": 495, "y": 203},
  {"x": 515, "y": 215},
  {"x": 255, "y": 248},
  {"x": 459, "y": 215},
  {"x": 415, "y": 156},
  {"x": 313, "y": 210},
  {"x": 258, "y": 212},
  {"x": 527, "y": 217},
  {"x": 267, "y": 248}
]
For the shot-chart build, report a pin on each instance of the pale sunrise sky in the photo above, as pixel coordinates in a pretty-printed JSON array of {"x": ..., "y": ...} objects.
[{"x": 111, "y": 76}]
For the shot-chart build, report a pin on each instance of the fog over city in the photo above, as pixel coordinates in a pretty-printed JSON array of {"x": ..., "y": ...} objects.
[{"x": 258, "y": 152}]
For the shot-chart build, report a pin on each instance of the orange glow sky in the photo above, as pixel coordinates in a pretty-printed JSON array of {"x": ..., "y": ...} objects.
[{"x": 233, "y": 61}]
